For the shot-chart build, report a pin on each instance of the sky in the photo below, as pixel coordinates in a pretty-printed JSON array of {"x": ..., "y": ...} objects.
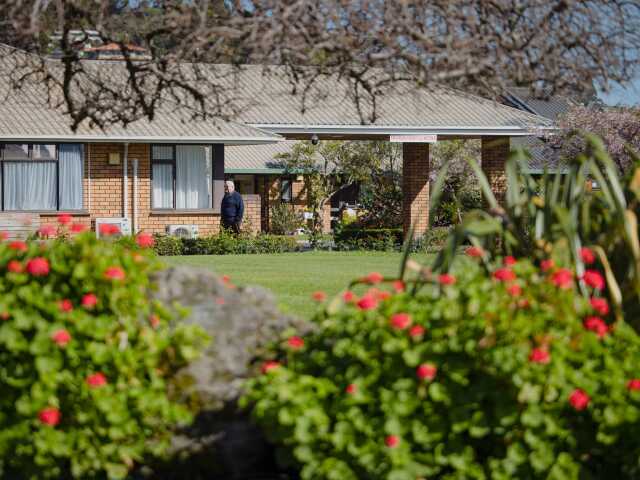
[{"x": 628, "y": 95}]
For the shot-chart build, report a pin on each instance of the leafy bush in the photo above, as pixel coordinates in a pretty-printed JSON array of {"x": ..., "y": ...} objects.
[
  {"x": 504, "y": 375},
  {"x": 85, "y": 359},
  {"x": 284, "y": 220},
  {"x": 432, "y": 241},
  {"x": 225, "y": 243},
  {"x": 244, "y": 322},
  {"x": 354, "y": 237}
]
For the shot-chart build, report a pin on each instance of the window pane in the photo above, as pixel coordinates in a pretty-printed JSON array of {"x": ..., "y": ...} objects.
[
  {"x": 162, "y": 196},
  {"x": 30, "y": 186},
  {"x": 70, "y": 173},
  {"x": 193, "y": 177},
  {"x": 13, "y": 151},
  {"x": 285, "y": 190},
  {"x": 43, "y": 152},
  {"x": 162, "y": 152}
]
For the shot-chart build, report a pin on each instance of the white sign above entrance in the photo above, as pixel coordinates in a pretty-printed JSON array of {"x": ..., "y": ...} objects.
[{"x": 413, "y": 138}]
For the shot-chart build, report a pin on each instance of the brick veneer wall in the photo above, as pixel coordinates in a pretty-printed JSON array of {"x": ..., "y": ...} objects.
[
  {"x": 495, "y": 151},
  {"x": 415, "y": 187},
  {"x": 19, "y": 225},
  {"x": 252, "y": 214}
]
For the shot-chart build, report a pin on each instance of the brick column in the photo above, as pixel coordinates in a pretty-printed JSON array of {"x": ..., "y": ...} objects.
[
  {"x": 415, "y": 188},
  {"x": 495, "y": 151}
]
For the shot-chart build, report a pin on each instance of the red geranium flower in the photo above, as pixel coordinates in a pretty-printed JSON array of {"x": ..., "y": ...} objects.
[
  {"x": 47, "y": 231},
  {"x": 64, "y": 219},
  {"x": 154, "y": 320},
  {"x": 38, "y": 267},
  {"x": 145, "y": 240},
  {"x": 269, "y": 365},
  {"x": 596, "y": 325},
  {"x": 295, "y": 342},
  {"x": 351, "y": 389},
  {"x": 114, "y": 273},
  {"x": 539, "y": 355},
  {"x": 587, "y": 255},
  {"x": 15, "y": 266},
  {"x": 89, "y": 300},
  {"x": 504, "y": 274},
  {"x": 416, "y": 331},
  {"x": 107, "y": 229},
  {"x": 398, "y": 286},
  {"x": 392, "y": 441},
  {"x": 374, "y": 278},
  {"x": 367, "y": 302},
  {"x": 96, "y": 380},
  {"x": 400, "y": 321},
  {"x": 594, "y": 279},
  {"x": 633, "y": 384},
  {"x": 61, "y": 337},
  {"x": 319, "y": 296},
  {"x": 562, "y": 278},
  {"x": 49, "y": 416},
  {"x": 474, "y": 252},
  {"x": 65, "y": 305},
  {"x": 509, "y": 261},
  {"x": 78, "y": 228},
  {"x": 348, "y": 296},
  {"x": 18, "y": 245},
  {"x": 600, "y": 305},
  {"x": 579, "y": 399},
  {"x": 514, "y": 290},
  {"x": 4, "y": 236},
  {"x": 546, "y": 265},
  {"x": 381, "y": 295},
  {"x": 446, "y": 279},
  {"x": 426, "y": 371}
]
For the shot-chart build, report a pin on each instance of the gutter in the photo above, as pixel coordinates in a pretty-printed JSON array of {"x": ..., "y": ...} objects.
[
  {"x": 509, "y": 130},
  {"x": 106, "y": 138}
]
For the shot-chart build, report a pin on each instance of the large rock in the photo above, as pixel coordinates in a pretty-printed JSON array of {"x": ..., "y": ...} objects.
[{"x": 243, "y": 322}]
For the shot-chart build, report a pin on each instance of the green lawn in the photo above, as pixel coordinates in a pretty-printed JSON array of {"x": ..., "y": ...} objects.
[{"x": 293, "y": 277}]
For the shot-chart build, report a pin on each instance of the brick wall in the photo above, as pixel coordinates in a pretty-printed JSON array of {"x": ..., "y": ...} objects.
[
  {"x": 19, "y": 225},
  {"x": 495, "y": 151},
  {"x": 415, "y": 187},
  {"x": 252, "y": 214}
]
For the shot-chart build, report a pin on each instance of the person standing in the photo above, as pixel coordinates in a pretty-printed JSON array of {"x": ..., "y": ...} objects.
[{"x": 232, "y": 208}]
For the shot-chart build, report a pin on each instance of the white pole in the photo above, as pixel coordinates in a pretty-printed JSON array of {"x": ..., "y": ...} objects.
[
  {"x": 134, "y": 199},
  {"x": 125, "y": 180}
]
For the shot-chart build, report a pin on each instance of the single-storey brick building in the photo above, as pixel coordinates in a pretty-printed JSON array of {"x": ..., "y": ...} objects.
[{"x": 155, "y": 175}]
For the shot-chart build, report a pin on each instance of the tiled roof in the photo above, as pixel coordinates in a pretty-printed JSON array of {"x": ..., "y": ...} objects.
[
  {"x": 256, "y": 158},
  {"x": 25, "y": 115},
  {"x": 551, "y": 107}
]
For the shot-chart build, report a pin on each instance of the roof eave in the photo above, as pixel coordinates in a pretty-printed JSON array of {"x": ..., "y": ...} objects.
[{"x": 133, "y": 139}]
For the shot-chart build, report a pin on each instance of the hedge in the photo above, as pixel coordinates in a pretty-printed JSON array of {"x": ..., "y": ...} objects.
[{"x": 225, "y": 244}]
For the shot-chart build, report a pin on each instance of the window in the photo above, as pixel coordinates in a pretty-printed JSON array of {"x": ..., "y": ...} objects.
[
  {"x": 42, "y": 176},
  {"x": 286, "y": 190},
  {"x": 182, "y": 176}
]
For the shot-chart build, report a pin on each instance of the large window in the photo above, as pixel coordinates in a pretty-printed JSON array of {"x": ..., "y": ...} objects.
[
  {"x": 286, "y": 190},
  {"x": 41, "y": 176},
  {"x": 182, "y": 176}
]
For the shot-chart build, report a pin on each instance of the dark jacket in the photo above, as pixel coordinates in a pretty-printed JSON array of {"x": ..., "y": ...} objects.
[{"x": 232, "y": 208}]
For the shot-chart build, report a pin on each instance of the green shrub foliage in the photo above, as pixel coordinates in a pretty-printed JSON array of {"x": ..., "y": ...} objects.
[
  {"x": 506, "y": 374},
  {"x": 355, "y": 237},
  {"x": 225, "y": 243},
  {"x": 85, "y": 358}
]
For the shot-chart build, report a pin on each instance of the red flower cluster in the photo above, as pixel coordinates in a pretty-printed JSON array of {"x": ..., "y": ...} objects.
[
  {"x": 108, "y": 229},
  {"x": 426, "y": 371},
  {"x": 368, "y": 302},
  {"x": 596, "y": 325},
  {"x": 64, "y": 219},
  {"x": 4, "y": 236},
  {"x": 514, "y": 290},
  {"x": 474, "y": 252},
  {"x": 374, "y": 278},
  {"x": 579, "y": 399},
  {"x": 145, "y": 240},
  {"x": 47, "y": 231},
  {"x": 351, "y": 389},
  {"x": 269, "y": 366},
  {"x": 38, "y": 267},
  {"x": 319, "y": 296},
  {"x": 65, "y": 305},
  {"x": 392, "y": 441},
  {"x": 348, "y": 296},
  {"x": 446, "y": 279},
  {"x": 600, "y": 305},
  {"x": 61, "y": 337},
  {"x": 49, "y": 416},
  {"x": 587, "y": 255},
  {"x": 15, "y": 266},
  {"x": 509, "y": 261},
  {"x": 398, "y": 286},
  {"x": 562, "y": 278},
  {"x": 633, "y": 384},
  {"x": 594, "y": 279},
  {"x": 416, "y": 331},
  {"x": 96, "y": 380},
  {"x": 295, "y": 342},
  {"x": 78, "y": 228},
  {"x": 504, "y": 274},
  {"x": 18, "y": 245},
  {"x": 400, "y": 321},
  {"x": 546, "y": 265},
  {"x": 540, "y": 355},
  {"x": 89, "y": 300},
  {"x": 114, "y": 273},
  {"x": 154, "y": 320}
]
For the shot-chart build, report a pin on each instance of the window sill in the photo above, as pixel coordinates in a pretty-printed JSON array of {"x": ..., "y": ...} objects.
[
  {"x": 51, "y": 213},
  {"x": 188, "y": 211}
]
